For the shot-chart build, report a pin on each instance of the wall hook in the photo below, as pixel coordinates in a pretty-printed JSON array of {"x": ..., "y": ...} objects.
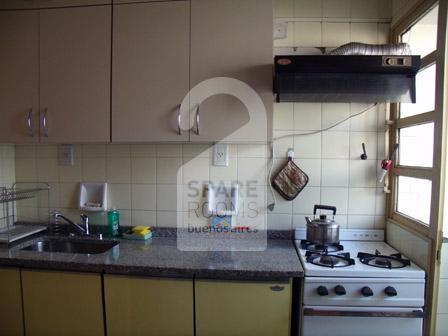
[{"x": 364, "y": 154}]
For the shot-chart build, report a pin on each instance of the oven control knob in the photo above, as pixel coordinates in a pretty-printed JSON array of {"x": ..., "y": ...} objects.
[
  {"x": 390, "y": 291},
  {"x": 366, "y": 291},
  {"x": 322, "y": 291},
  {"x": 340, "y": 290}
]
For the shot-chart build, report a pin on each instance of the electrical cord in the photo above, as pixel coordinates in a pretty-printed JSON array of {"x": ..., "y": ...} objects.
[{"x": 272, "y": 205}]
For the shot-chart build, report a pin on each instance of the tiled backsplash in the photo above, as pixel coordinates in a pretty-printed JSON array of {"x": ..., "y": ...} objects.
[
  {"x": 143, "y": 179},
  {"x": 331, "y": 23},
  {"x": 337, "y": 175},
  {"x": 7, "y": 170}
]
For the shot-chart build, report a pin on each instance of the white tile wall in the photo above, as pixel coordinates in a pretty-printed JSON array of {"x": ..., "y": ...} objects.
[
  {"x": 336, "y": 8},
  {"x": 331, "y": 159},
  {"x": 318, "y": 23},
  {"x": 7, "y": 169},
  {"x": 307, "y": 8},
  {"x": 335, "y": 173},
  {"x": 413, "y": 246},
  {"x": 335, "y": 34}
]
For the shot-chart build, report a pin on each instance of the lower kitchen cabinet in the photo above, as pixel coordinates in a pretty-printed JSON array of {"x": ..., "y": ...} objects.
[
  {"x": 148, "y": 306},
  {"x": 242, "y": 308},
  {"x": 62, "y": 303},
  {"x": 11, "y": 316}
]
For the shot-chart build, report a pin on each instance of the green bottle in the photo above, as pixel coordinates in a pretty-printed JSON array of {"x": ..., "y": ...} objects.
[{"x": 113, "y": 222}]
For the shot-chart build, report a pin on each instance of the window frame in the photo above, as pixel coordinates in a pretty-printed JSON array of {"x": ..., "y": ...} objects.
[
  {"x": 432, "y": 174},
  {"x": 434, "y": 232}
]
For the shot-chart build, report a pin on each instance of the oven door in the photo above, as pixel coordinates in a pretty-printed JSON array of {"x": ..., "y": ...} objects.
[{"x": 365, "y": 321}]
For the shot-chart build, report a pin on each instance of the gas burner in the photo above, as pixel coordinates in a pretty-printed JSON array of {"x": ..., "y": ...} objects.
[
  {"x": 383, "y": 261},
  {"x": 329, "y": 260},
  {"x": 316, "y": 248}
]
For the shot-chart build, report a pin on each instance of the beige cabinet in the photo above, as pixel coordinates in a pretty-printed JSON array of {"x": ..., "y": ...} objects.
[
  {"x": 69, "y": 3},
  {"x": 19, "y": 76},
  {"x": 150, "y": 70},
  {"x": 242, "y": 308},
  {"x": 11, "y": 317},
  {"x": 61, "y": 303},
  {"x": 75, "y": 46},
  {"x": 232, "y": 39},
  {"x": 133, "y": 1},
  {"x": 148, "y": 306},
  {"x": 35, "y": 4}
]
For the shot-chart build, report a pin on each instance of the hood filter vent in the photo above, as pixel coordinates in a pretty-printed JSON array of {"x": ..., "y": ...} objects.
[{"x": 361, "y": 79}]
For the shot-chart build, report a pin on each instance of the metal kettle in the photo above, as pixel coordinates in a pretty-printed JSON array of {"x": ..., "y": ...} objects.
[{"x": 322, "y": 231}]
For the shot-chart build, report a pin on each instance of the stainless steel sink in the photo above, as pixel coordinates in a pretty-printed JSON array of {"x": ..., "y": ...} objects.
[{"x": 71, "y": 245}]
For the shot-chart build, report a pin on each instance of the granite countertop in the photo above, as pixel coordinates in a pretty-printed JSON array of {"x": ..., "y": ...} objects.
[{"x": 160, "y": 257}]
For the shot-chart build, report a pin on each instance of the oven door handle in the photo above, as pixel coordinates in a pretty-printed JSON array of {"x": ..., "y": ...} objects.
[{"x": 354, "y": 313}]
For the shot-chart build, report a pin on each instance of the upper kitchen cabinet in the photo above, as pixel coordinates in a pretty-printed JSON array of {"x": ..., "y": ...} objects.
[
  {"x": 151, "y": 49},
  {"x": 69, "y": 3},
  {"x": 75, "y": 47},
  {"x": 35, "y": 4},
  {"x": 231, "y": 39},
  {"x": 132, "y": 1},
  {"x": 19, "y": 79}
]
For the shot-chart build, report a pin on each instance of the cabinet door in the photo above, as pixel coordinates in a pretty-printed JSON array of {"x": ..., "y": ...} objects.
[
  {"x": 148, "y": 306},
  {"x": 60, "y": 303},
  {"x": 242, "y": 308},
  {"x": 232, "y": 38},
  {"x": 11, "y": 317},
  {"x": 19, "y": 76},
  {"x": 75, "y": 56},
  {"x": 150, "y": 70}
]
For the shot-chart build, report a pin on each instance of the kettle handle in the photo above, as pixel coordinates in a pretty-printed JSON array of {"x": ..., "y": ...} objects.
[{"x": 324, "y": 207}]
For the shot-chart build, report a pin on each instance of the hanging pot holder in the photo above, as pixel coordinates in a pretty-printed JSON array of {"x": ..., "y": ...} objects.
[{"x": 290, "y": 180}]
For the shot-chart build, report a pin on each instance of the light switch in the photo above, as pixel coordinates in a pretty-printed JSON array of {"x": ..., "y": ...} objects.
[
  {"x": 65, "y": 155},
  {"x": 221, "y": 155}
]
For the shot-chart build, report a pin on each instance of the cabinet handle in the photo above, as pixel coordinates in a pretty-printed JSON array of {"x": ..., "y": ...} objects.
[
  {"x": 30, "y": 123},
  {"x": 179, "y": 119},
  {"x": 197, "y": 120},
  {"x": 45, "y": 122},
  {"x": 277, "y": 288}
]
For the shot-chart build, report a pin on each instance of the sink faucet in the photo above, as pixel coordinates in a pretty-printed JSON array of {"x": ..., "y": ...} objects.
[{"x": 85, "y": 222}]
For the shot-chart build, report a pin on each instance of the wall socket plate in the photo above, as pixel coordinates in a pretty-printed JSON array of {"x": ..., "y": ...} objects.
[
  {"x": 65, "y": 155},
  {"x": 221, "y": 155},
  {"x": 280, "y": 30}
]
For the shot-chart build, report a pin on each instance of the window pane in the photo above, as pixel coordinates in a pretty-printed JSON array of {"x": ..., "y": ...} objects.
[
  {"x": 416, "y": 145},
  {"x": 426, "y": 93},
  {"x": 422, "y": 36},
  {"x": 414, "y": 198}
]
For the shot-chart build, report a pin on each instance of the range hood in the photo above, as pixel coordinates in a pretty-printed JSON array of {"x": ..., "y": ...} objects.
[{"x": 350, "y": 78}]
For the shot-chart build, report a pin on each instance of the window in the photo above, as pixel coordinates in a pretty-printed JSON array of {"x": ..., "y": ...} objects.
[
  {"x": 414, "y": 128},
  {"x": 414, "y": 198},
  {"x": 422, "y": 36},
  {"x": 416, "y": 145},
  {"x": 425, "y": 85}
]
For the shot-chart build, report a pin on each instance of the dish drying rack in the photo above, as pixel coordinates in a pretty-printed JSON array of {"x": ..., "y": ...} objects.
[{"x": 10, "y": 228}]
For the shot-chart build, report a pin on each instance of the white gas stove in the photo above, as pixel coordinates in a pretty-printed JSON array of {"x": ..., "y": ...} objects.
[{"x": 361, "y": 286}]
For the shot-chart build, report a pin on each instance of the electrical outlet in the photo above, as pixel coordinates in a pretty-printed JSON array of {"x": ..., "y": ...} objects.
[
  {"x": 221, "y": 155},
  {"x": 65, "y": 155},
  {"x": 280, "y": 30}
]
